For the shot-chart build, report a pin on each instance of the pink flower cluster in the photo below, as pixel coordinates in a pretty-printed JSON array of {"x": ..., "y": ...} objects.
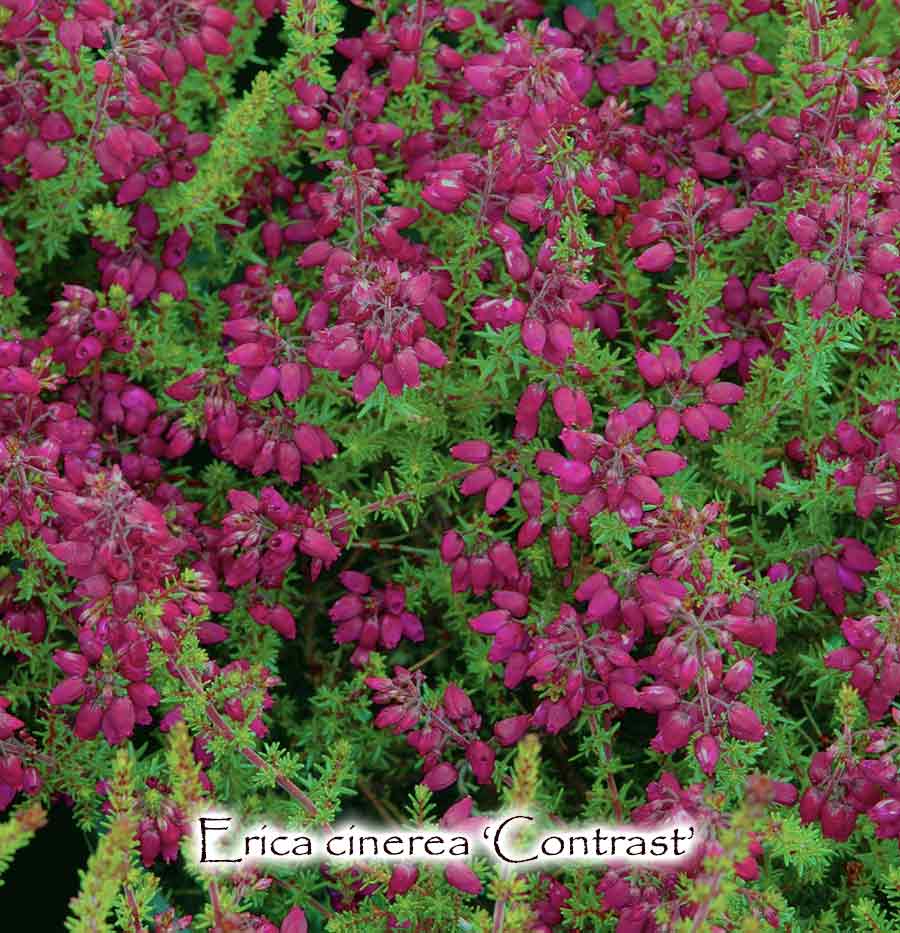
[
  {"x": 373, "y": 618},
  {"x": 603, "y": 307},
  {"x": 433, "y": 729},
  {"x": 17, "y": 773}
]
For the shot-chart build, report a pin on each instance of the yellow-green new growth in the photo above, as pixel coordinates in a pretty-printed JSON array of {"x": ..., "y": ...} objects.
[
  {"x": 256, "y": 127},
  {"x": 109, "y": 866}
]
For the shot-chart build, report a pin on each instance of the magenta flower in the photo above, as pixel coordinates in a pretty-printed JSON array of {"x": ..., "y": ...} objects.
[
  {"x": 433, "y": 729},
  {"x": 18, "y": 773},
  {"x": 373, "y": 618}
]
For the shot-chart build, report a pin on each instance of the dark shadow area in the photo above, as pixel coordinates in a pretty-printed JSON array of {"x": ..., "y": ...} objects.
[
  {"x": 43, "y": 877},
  {"x": 269, "y": 48}
]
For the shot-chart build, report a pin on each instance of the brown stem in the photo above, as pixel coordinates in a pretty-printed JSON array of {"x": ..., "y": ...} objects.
[
  {"x": 189, "y": 678},
  {"x": 611, "y": 784},
  {"x": 135, "y": 911},
  {"x": 499, "y": 914}
]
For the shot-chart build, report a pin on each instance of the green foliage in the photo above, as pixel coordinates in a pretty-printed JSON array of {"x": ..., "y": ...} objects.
[
  {"x": 109, "y": 865},
  {"x": 316, "y": 755}
]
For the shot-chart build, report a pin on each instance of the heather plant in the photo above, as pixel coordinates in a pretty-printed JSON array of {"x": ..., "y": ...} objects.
[{"x": 411, "y": 412}]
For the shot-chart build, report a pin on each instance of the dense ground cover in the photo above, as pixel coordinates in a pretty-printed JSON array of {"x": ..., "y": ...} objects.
[{"x": 410, "y": 412}]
